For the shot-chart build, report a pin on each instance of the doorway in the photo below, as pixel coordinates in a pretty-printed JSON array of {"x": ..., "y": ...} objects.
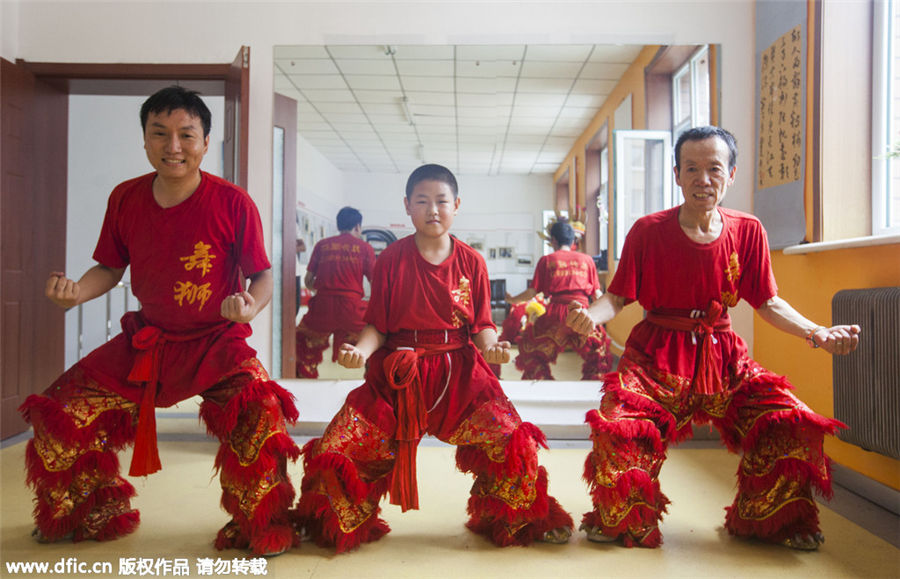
[{"x": 34, "y": 168}]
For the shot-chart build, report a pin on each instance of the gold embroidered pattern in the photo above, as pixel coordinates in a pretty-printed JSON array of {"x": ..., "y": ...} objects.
[
  {"x": 671, "y": 391},
  {"x": 87, "y": 406},
  {"x": 749, "y": 415},
  {"x": 613, "y": 515},
  {"x": 783, "y": 441},
  {"x": 200, "y": 259},
  {"x": 248, "y": 493},
  {"x": 254, "y": 427},
  {"x": 612, "y": 461},
  {"x": 462, "y": 297},
  {"x": 517, "y": 492},
  {"x": 663, "y": 388},
  {"x": 733, "y": 271},
  {"x": 768, "y": 502},
  {"x": 102, "y": 515},
  {"x": 350, "y": 515},
  {"x": 729, "y": 299},
  {"x": 490, "y": 428},
  {"x": 186, "y": 290},
  {"x": 57, "y": 456},
  {"x": 65, "y": 500},
  {"x": 361, "y": 441}
]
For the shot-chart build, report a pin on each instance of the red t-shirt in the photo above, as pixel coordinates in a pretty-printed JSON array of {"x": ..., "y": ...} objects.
[
  {"x": 661, "y": 267},
  {"x": 408, "y": 293},
  {"x": 339, "y": 264},
  {"x": 566, "y": 275},
  {"x": 184, "y": 259}
]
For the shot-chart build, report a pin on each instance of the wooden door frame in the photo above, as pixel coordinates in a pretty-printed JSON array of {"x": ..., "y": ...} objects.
[
  {"x": 284, "y": 115},
  {"x": 32, "y": 340}
]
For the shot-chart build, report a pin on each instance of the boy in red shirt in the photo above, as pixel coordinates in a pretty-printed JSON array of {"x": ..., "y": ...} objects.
[
  {"x": 426, "y": 348},
  {"x": 335, "y": 271},
  {"x": 190, "y": 239},
  {"x": 563, "y": 276}
]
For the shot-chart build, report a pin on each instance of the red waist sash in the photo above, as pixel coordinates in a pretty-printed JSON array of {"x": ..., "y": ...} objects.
[
  {"x": 707, "y": 377},
  {"x": 402, "y": 372},
  {"x": 149, "y": 341},
  {"x": 565, "y": 297}
]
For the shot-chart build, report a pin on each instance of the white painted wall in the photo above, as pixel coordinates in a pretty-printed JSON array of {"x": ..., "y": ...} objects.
[
  {"x": 320, "y": 195},
  {"x": 136, "y": 31},
  {"x": 320, "y": 185},
  {"x": 9, "y": 29},
  {"x": 106, "y": 147}
]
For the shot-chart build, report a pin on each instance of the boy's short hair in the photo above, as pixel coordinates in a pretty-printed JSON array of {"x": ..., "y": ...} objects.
[
  {"x": 562, "y": 233},
  {"x": 431, "y": 172},
  {"x": 348, "y": 218},
  {"x": 173, "y": 98},
  {"x": 703, "y": 133}
]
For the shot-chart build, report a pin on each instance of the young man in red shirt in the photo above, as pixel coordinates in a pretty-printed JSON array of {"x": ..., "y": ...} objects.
[
  {"x": 563, "y": 276},
  {"x": 190, "y": 239},
  {"x": 683, "y": 364},
  {"x": 336, "y": 270},
  {"x": 426, "y": 348}
]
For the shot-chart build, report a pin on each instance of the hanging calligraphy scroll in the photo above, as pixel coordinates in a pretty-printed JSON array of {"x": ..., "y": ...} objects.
[
  {"x": 780, "y": 109},
  {"x": 781, "y": 60}
]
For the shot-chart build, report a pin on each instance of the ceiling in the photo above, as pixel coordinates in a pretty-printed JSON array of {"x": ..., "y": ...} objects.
[{"x": 480, "y": 110}]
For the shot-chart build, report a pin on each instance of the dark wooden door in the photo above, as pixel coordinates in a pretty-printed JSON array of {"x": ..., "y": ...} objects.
[
  {"x": 284, "y": 116},
  {"x": 32, "y": 237}
]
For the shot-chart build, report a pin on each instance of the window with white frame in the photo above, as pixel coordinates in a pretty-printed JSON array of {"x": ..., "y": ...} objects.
[
  {"x": 690, "y": 93},
  {"x": 886, "y": 118}
]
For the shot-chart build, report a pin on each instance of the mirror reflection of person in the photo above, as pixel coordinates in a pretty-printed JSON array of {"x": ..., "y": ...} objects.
[
  {"x": 426, "y": 350},
  {"x": 335, "y": 272},
  {"x": 563, "y": 276},
  {"x": 683, "y": 364},
  {"x": 187, "y": 236}
]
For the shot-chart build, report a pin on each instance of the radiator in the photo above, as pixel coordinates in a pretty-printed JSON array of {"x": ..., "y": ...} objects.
[{"x": 867, "y": 382}]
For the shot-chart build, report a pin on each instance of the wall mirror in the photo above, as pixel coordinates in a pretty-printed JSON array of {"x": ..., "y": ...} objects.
[{"x": 502, "y": 117}]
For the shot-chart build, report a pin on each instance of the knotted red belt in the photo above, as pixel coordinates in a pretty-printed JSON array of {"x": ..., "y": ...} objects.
[
  {"x": 148, "y": 341},
  {"x": 706, "y": 376},
  {"x": 564, "y": 297},
  {"x": 402, "y": 372}
]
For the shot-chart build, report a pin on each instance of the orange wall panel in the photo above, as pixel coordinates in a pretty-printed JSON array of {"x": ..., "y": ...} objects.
[{"x": 808, "y": 282}]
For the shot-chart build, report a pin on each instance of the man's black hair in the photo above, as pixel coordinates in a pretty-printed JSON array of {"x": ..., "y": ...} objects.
[
  {"x": 431, "y": 172},
  {"x": 348, "y": 218},
  {"x": 562, "y": 233},
  {"x": 173, "y": 98},
  {"x": 703, "y": 133}
]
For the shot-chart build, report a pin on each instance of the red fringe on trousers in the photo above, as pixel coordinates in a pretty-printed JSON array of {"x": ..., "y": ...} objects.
[
  {"x": 72, "y": 466},
  {"x": 779, "y": 437},
  {"x": 345, "y": 480}
]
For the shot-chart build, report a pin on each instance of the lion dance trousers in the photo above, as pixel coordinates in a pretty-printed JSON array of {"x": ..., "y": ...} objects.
[
  {"x": 780, "y": 440},
  {"x": 329, "y": 313},
  {"x": 541, "y": 342},
  {"x": 354, "y": 464},
  {"x": 79, "y": 427},
  {"x": 311, "y": 345}
]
